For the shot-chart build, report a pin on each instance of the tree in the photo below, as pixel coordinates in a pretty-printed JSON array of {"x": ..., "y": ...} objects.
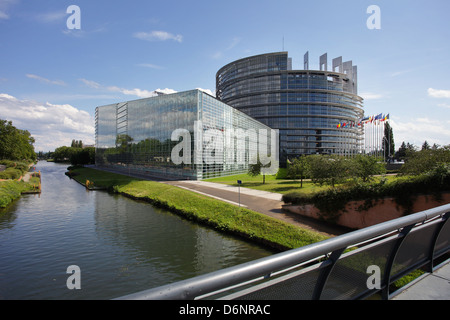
[
  {"x": 388, "y": 146},
  {"x": 435, "y": 146},
  {"x": 298, "y": 169},
  {"x": 122, "y": 142},
  {"x": 367, "y": 166},
  {"x": 77, "y": 144},
  {"x": 15, "y": 144},
  {"x": 62, "y": 153},
  {"x": 425, "y": 145},
  {"x": 330, "y": 170},
  {"x": 401, "y": 153},
  {"x": 425, "y": 160},
  {"x": 258, "y": 168},
  {"x": 410, "y": 147},
  {"x": 81, "y": 156}
]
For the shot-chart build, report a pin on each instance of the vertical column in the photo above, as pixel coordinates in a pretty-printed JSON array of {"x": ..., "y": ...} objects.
[
  {"x": 337, "y": 63},
  {"x": 355, "y": 79},
  {"x": 306, "y": 61},
  {"x": 323, "y": 61}
]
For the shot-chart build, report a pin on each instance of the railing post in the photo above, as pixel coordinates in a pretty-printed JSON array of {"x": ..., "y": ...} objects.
[
  {"x": 445, "y": 219},
  {"x": 325, "y": 273},
  {"x": 387, "y": 272}
]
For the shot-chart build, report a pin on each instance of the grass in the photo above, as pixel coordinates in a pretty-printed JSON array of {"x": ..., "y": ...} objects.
[
  {"x": 219, "y": 215},
  {"x": 12, "y": 189},
  {"x": 272, "y": 184},
  {"x": 100, "y": 179},
  {"x": 283, "y": 186}
]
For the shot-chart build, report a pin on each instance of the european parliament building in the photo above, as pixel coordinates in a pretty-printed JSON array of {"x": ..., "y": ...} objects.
[
  {"x": 141, "y": 136},
  {"x": 306, "y": 106}
]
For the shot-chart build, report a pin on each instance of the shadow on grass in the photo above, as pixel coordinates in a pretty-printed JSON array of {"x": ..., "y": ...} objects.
[{"x": 101, "y": 179}]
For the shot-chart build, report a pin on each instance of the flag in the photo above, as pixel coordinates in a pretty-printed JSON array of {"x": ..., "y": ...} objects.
[
  {"x": 339, "y": 125},
  {"x": 386, "y": 117}
]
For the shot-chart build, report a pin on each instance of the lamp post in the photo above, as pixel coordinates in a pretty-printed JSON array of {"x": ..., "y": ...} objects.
[{"x": 239, "y": 191}]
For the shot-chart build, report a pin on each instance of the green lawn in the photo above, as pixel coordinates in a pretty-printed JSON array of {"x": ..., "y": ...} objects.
[
  {"x": 101, "y": 179},
  {"x": 272, "y": 184}
]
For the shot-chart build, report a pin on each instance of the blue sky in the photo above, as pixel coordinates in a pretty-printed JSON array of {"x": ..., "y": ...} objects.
[{"x": 52, "y": 78}]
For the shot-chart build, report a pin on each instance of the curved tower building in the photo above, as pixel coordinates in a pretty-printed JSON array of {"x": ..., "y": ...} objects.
[{"x": 316, "y": 111}]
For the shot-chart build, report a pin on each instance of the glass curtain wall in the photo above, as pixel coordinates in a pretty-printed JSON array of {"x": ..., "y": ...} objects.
[
  {"x": 136, "y": 136},
  {"x": 305, "y": 105}
]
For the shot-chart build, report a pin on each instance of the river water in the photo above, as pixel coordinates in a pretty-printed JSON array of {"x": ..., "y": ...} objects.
[{"x": 120, "y": 246}]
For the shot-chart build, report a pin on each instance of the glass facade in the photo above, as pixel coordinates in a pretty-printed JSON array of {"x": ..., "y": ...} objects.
[
  {"x": 138, "y": 136},
  {"x": 305, "y": 105}
]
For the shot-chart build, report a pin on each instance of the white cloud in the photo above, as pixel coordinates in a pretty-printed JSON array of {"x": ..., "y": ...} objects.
[
  {"x": 133, "y": 92},
  {"x": 91, "y": 84},
  {"x": 50, "y": 17},
  {"x": 444, "y": 105},
  {"x": 51, "y": 125},
  {"x": 399, "y": 73},
  {"x": 438, "y": 93},
  {"x": 416, "y": 131},
  {"x": 219, "y": 54},
  {"x": 5, "y": 5},
  {"x": 158, "y": 36},
  {"x": 42, "y": 79},
  {"x": 208, "y": 91},
  {"x": 371, "y": 96},
  {"x": 165, "y": 91},
  {"x": 149, "y": 65},
  {"x": 141, "y": 93}
]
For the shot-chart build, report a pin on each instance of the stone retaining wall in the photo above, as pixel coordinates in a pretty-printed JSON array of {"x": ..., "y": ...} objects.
[{"x": 383, "y": 210}]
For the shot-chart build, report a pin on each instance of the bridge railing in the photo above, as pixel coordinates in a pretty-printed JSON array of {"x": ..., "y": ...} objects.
[{"x": 356, "y": 265}]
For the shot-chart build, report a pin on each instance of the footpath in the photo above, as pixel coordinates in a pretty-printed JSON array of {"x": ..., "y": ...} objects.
[
  {"x": 264, "y": 202},
  {"x": 433, "y": 286}
]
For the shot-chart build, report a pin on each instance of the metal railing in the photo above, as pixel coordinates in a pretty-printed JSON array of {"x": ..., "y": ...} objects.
[{"x": 356, "y": 265}]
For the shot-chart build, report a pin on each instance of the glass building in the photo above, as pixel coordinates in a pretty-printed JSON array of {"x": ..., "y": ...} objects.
[
  {"x": 316, "y": 111},
  {"x": 150, "y": 136}
]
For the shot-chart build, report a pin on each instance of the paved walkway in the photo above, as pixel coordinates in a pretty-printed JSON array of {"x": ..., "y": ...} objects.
[
  {"x": 434, "y": 286},
  {"x": 264, "y": 202}
]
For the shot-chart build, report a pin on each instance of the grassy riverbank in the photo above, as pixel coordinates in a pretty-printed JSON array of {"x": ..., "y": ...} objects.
[
  {"x": 202, "y": 209},
  {"x": 10, "y": 190}
]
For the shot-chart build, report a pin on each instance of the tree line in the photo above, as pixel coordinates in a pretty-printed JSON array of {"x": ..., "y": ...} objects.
[
  {"x": 75, "y": 154},
  {"x": 407, "y": 149},
  {"x": 15, "y": 144},
  {"x": 333, "y": 169}
]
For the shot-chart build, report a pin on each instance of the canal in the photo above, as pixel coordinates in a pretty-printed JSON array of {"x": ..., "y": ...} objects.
[{"x": 120, "y": 245}]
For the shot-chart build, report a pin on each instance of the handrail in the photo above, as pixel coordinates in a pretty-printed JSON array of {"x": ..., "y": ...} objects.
[{"x": 214, "y": 281}]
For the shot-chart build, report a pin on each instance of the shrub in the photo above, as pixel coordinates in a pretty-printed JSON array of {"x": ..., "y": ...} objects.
[
  {"x": 9, "y": 190},
  {"x": 333, "y": 201},
  {"x": 425, "y": 160},
  {"x": 10, "y": 173}
]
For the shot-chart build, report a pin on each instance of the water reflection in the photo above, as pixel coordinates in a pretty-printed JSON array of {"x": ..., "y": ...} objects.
[{"x": 121, "y": 245}]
